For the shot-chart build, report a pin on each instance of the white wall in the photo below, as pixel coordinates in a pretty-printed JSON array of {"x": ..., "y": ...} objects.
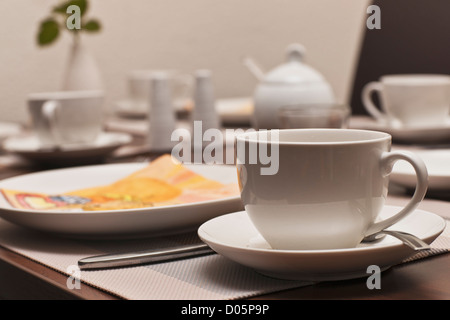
[{"x": 181, "y": 34}]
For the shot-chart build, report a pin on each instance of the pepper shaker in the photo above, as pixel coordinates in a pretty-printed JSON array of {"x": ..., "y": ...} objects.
[
  {"x": 204, "y": 101},
  {"x": 162, "y": 120}
]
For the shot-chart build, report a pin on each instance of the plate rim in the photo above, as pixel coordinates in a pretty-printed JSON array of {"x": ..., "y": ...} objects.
[{"x": 103, "y": 212}]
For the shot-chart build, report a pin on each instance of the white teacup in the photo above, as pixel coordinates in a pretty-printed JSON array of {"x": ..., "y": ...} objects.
[
  {"x": 328, "y": 191},
  {"x": 139, "y": 87},
  {"x": 66, "y": 117},
  {"x": 410, "y": 100}
]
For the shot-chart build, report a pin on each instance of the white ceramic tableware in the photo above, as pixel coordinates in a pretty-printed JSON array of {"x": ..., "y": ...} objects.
[
  {"x": 66, "y": 117},
  {"x": 139, "y": 90},
  {"x": 293, "y": 82},
  {"x": 29, "y": 147},
  {"x": 235, "y": 111},
  {"x": 113, "y": 224},
  {"x": 205, "y": 101},
  {"x": 162, "y": 120},
  {"x": 414, "y": 100},
  {"x": 304, "y": 116},
  {"x": 430, "y": 134},
  {"x": 438, "y": 165},
  {"x": 322, "y": 188},
  {"x": 235, "y": 237}
]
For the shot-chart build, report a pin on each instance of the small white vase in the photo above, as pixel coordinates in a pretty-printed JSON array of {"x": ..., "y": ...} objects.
[{"x": 82, "y": 72}]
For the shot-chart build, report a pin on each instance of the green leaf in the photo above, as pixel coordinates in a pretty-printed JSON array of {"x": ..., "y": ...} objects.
[
  {"x": 48, "y": 32},
  {"x": 62, "y": 8},
  {"x": 91, "y": 26}
]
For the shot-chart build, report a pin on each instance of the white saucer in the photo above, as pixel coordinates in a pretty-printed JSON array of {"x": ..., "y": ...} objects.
[
  {"x": 438, "y": 165},
  {"x": 235, "y": 110},
  {"x": 29, "y": 147},
  {"x": 129, "y": 108},
  {"x": 235, "y": 237},
  {"x": 420, "y": 135}
]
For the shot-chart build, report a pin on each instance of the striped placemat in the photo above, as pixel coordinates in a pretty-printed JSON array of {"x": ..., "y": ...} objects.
[{"x": 203, "y": 278}]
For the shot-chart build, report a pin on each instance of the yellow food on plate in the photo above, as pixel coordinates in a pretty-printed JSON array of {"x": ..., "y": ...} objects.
[{"x": 163, "y": 182}]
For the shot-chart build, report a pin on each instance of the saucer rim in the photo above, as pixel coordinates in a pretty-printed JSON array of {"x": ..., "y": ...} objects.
[
  {"x": 319, "y": 265},
  {"x": 122, "y": 136},
  {"x": 207, "y": 238},
  {"x": 436, "y": 180},
  {"x": 381, "y": 125},
  {"x": 433, "y": 173}
]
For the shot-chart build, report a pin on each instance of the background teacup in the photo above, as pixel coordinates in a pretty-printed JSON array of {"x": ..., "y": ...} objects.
[
  {"x": 66, "y": 117},
  {"x": 329, "y": 189},
  {"x": 314, "y": 116},
  {"x": 410, "y": 100},
  {"x": 139, "y": 87}
]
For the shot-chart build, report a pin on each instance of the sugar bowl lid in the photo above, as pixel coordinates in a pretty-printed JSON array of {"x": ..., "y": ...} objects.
[{"x": 294, "y": 70}]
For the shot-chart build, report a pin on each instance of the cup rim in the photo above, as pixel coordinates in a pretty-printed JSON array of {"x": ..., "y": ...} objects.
[{"x": 377, "y": 136}]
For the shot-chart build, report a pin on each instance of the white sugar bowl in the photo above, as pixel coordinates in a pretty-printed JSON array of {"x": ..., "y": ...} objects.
[{"x": 293, "y": 82}]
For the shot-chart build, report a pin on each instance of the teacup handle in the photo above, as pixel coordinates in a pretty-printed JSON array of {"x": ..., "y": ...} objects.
[
  {"x": 49, "y": 110},
  {"x": 367, "y": 100},
  {"x": 388, "y": 160}
]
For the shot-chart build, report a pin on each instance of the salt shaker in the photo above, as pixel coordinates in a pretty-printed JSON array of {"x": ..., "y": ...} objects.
[
  {"x": 162, "y": 121},
  {"x": 204, "y": 112}
]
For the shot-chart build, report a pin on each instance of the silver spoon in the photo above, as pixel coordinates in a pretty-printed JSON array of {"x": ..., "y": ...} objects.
[
  {"x": 255, "y": 70},
  {"x": 189, "y": 251},
  {"x": 408, "y": 239}
]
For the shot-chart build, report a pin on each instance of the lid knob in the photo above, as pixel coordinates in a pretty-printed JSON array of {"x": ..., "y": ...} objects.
[{"x": 295, "y": 52}]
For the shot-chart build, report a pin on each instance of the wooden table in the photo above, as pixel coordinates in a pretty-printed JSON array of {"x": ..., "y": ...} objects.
[{"x": 21, "y": 278}]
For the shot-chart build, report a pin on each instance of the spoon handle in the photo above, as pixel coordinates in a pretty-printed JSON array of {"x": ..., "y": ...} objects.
[
  {"x": 254, "y": 68},
  {"x": 409, "y": 239},
  {"x": 144, "y": 257}
]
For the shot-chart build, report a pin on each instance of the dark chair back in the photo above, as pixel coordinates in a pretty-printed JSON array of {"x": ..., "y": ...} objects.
[{"x": 414, "y": 38}]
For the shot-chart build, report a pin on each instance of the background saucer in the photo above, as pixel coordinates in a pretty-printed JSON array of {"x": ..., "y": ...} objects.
[
  {"x": 29, "y": 147},
  {"x": 417, "y": 135},
  {"x": 438, "y": 165}
]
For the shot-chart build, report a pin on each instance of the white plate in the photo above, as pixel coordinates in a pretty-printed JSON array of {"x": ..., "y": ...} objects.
[
  {"x": 235, "y": 110},
  {"x": 131, "y": 109},
  {"x": 235, "y": 237},
  {"x": 139, "y": 110},
  {"x": 438, "y": 165},
  {"x": 29, "y": 147},
  {"x": 424, "y": 135},
  {"x": 143, "y": 222},
  {"x": 9, "y": 129}
]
